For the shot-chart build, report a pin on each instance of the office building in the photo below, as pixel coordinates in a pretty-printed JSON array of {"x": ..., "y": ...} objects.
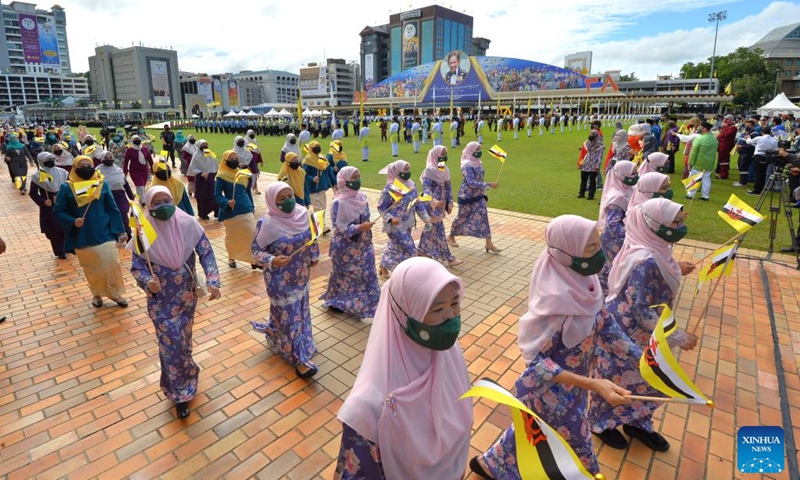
[
  {"x": 330, "y": 85},
  {"x": 415, "y": 37},
  {"x": 143, "y": 76},
  {"x": 479, "y": 46},
  {"x": 277, "y": 86},
  {"x": 782, "y": 45}
]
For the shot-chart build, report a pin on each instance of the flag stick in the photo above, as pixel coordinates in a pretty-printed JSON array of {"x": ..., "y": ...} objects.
[
  {"x": 712, "y": 252},
  {"x": 713, "y": 289},
  {"x": 501, "y": 171},
  {"x": 666, "y": 399},
  {"x": 301, "y": 249},
  {"x": 89, "y": 205},
  {"x": 691, "y": 201},
  {"x": 139, "y": 239}
]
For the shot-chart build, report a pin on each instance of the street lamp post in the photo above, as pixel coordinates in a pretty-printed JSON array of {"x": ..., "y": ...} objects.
[
  {"x": 777, "y": 76},
  {"x": 715, "y": 18}
]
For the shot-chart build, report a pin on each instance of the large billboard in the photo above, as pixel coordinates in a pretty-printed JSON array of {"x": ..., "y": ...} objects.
[
  {"x": 205, "y": 88},
  {"x": 410, "y": 44},
  {"x": 48, "y": 42},
  {"x": 313, "y": 81},
  {"x": 369, "y": 71},
  {"x": 29, "y": 31},
  {"x": 159, "y": 81},
  {"x": 233, "y": 93},
  {"x": 217, "y": 91},
  {"x": 580, "y": 62}
]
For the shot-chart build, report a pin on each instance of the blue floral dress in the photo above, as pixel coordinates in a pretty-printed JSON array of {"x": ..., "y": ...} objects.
[
  {"x": 631, "y": 310},
  {"x": 611, "y": 241},
  {"x": 400, "y": 245},
  {"x": 359, "y": 459},
  {"x": 433, "y": 242},
  {"x": 353, "y": 283},
  {"x": 289, "y": 324},
  {"x": 473, "y": 218},
  {"x": 172, "y": 311},
  {"x": 561, "y": 406}
]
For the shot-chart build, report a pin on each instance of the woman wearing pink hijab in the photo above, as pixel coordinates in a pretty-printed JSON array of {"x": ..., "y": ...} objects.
[
  {"x": 353, "y": 283},
  {"x": 655, "y": 162},
  {"x": 557, "y": 337},
  {"x": 403, "y": 420},
  {"x": 473, "y": 218},
  {"x": 650, "y": 185},
  {"x": 644, "y": 274},
  {"x": 613, "y": 206},
  {"x": 171, "y": 298},
  {"x": 280, "y": 246},
  {"x": 436, "y": 183}
]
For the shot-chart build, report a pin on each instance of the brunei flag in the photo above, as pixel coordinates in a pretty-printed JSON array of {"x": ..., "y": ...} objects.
[
  {"x": 86, "y": 192},
  {"x": 243, "y": 176},
  {"x": 209, "y": 153},
  {"x": 740, "y": 215},
  {"x": 692, "y": 182},
  {"x": 44, "y": 177},
  {"x": 164, "y": 153},
  {"x": 18, "y": 182},
  {"x": 498, "y": 153},
  {"x": 422, "y": 198},
  {"x": 145, "y": 234},
  {"x": 161, "y": 165},
  {"x": 316, "y": 223},
  {"x": 660, "y": 369},
  {"x": 541, "y": 452},
  {"x": 718, "y": 267},
  {"x": 397, "y": 190}
]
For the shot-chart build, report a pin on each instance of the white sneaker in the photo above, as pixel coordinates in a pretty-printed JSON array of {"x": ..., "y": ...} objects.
[{"x": 737, "y": 184}]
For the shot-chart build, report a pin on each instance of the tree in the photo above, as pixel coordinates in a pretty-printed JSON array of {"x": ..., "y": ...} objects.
[
  {"x": 629, "y": 78},
  {"x": 750, "y": 75},
  {"x": 136, "y": 105}
]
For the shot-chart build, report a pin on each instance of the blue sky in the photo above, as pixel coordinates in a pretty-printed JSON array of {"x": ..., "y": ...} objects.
[{"x": 649, "y": 37}]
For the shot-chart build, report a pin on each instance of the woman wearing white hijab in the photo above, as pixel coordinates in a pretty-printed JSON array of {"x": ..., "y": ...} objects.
[
  {"x": 44, "y": 187},
  {"x": 251, "y": 144},
  {"x": 290, "y": 145},
  {"x": 204, "y": 170},
  {"x": 353, "y": 283},
  {"x": 403, "y": 419},
  {"x": 187, "y": 152}
]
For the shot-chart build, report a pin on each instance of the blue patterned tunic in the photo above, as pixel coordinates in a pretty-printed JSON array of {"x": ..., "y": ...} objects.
[
  {"x": 353, "y": 283},
  {"x": 433, "y": 242},
  {"x": 400, "y": 245},
  {"x": 359, "y": 458},
  {"x": 473, "y": 218},
  {"x": 289, "y": 324},
  {"x": 611, "y": 241},
  {"x": 562, "y": 406},
  {"x": 172, "y": 311},
  {"x": 631, "y": 310}
]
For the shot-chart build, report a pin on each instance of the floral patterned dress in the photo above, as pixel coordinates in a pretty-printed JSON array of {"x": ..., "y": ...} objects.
[
  {"x": 562, "y": 406},
  {"x": 473, "y": 218},
  {"x": 433, "y": 242},
  {"x": 611, "y": 241},
  {"x": 631, "y": 310},
  {"x": 359, "y": 458},
  {"x": 400, "y": 245},
  {"x": 353, "y": 283},
  {"x": 289, "y": 324},
  {"x": 172, "y": 311}
]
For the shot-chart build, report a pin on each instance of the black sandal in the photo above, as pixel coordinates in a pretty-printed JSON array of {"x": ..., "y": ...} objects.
[
  {"x": 121, "y": 302},
  {"x": 613, "y": 438},
  {"x": 653, "y": 440},
  {"x": 310, "y": 373},
  {"x": 182, "y": 409},
  {"x": 476, "y": 468},
  {"x": 97, "y": 303}
]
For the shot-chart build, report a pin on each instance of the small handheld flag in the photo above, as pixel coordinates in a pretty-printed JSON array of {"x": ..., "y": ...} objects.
[
  {"x": 692, "y": 183},
  {"x": 660, "y": 369},
  {"x": 161, "y": 165},
  {"x": 145, "y": 233},
  {"x": 252, "y": 147},
  {"x": 715, "y": 269},
  {"x": 421, "y": 198},
  {"x": 86, "y": 192},
  {"x": 44, "y": 177},
  {"x": 209, "y": 153},
  {"x": 740, "y": 215},
  {"x": 243, "y": 176},
  {"x": 541, "y": 452},
  {"x": 18, "y": 182},
  {"x": 498, "y": 153},
  {"x": 316, "y": 222},
  {"x": 164, "y": 153},
  {"x": 397, "y": 190},
  {"x": 90, "y": 150}
]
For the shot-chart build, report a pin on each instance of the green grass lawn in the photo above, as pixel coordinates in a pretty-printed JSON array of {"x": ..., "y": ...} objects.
[{"x": 540, "y": 177}]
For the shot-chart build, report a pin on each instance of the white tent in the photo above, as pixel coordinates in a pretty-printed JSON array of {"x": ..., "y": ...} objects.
[
  {"x": 231, "y": 114},
  {"x": 195, "y": 116},
  {"x": 251, "y": 114},
  {"x": 272, "y": 113},
  {"x": 284, "y": 113},
  {"x": 315, "y": 113},
  {"x": 325, "y": 112},
  {"x": 307, "y": 113},
  {"x": 778, "y": 106}
]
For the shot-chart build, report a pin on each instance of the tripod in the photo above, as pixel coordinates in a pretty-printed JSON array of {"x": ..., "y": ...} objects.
[{"x": 776, "y": 201}]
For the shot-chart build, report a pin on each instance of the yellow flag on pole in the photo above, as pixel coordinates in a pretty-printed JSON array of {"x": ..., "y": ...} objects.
[
  {"x": 316, "y": 223},
  {"x": 243, "y": 176},
  {"x": 498, "y": 153},
  {"x": 422, "y": 198},
  {"x": 299, "y": 107},
  {"x": 692, "y": 183},
  {"x": 740, "y": 215},
  {"x": 44, "y": 177},
  {"x": 661, "y": 370},
  {"x": 397, "y": 190},
  {"x": 144, "y": 232},
  {"x": 721, "y": 264},
  {"x": 541, "y": 452},
  {"x": 86, "y": 192}
]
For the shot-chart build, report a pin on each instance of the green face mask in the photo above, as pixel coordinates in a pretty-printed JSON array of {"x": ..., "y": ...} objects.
[
  {"x": 672, "y": 235},
  {"x": 630, "y": 181},
  {"x": 443, "y": 159},
  {"x": 404, "y": 175},
  {"x": 435, "y": 337},
  {"x": 287, "y": 206},
  {"x": 477, "y": 154},
  {"x": 354, "y": 185},
  {"x": 589, "y": 266},
  {"x": 668, "y": 194},
  {"x": 163, "y": 212},
  {"x": 661, "y": 169}
]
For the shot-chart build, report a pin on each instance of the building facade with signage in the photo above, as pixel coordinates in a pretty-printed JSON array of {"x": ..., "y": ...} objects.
[
  {"x": 143, "y": 75},
  {"x": 413, "y": 38},
  {"x": 782, "y": 45},
  {"x": 332, "y": 84}
]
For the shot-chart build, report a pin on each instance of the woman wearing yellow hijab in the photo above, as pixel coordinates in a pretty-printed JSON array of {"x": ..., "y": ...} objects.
[
  {"x": 86, "y": 210},
  {"x": 319, "y": 177},
  {"x": 235, "y": 203},
  {"x": 295, "y": 176},
  {"x": 162, "y": 176}
]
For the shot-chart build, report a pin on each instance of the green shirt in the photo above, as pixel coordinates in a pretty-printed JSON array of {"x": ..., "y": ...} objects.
[{"x": 704, "y": 153}]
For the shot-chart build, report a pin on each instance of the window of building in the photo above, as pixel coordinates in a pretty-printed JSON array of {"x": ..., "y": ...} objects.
[
  {"x": 460, "y": 37},
  {"x": 788, "y": 62},
  {"x": 787, "y": 73},
  {"x": 447, "y": 37},
  {"x": 397, "y": 50}
]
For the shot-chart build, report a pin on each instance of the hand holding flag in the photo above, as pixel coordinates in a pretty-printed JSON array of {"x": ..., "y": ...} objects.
[
  {"x": 721, "y": 264},
  {"x": 397, "y": 190},
  {"x": 501, "y": 155},
  {"x": 422, "y": 198},
  {"x": 243, "y": 176},
  {"x": 145, "y": 234}
]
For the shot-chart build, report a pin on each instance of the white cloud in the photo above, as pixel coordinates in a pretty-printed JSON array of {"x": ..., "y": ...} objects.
[{"x": 233, "y": 35}]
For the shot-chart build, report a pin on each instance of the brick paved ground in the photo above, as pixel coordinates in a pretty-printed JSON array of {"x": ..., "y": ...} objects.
[{"x": 79, "y": 394}]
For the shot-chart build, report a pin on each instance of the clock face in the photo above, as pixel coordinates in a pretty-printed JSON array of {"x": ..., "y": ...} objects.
[
  {"x": 28, "y": 24},
  {"x": 410, "y": 31}
]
